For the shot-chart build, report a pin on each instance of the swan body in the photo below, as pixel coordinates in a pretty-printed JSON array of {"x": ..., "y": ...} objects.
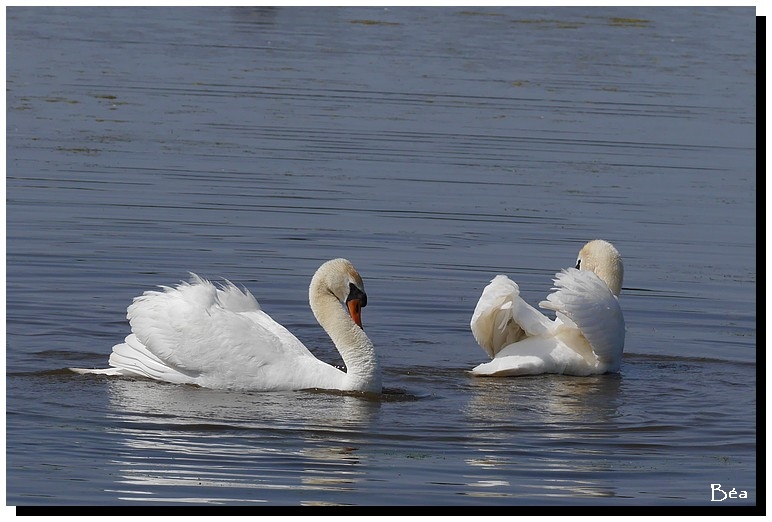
[
  {"x": 586, "y": 337},
  {"x": 219, "y": 337}
]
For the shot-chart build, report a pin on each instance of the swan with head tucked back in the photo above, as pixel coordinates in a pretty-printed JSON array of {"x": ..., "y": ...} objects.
[
  {"x": 587, "y": 336},
  {"x": 218, "y": 337}
]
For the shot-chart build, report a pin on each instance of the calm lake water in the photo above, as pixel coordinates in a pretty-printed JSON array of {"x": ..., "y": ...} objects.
[{"x": 435, "y": 148}]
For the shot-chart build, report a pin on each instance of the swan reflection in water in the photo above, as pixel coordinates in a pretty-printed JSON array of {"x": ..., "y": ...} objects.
[
  {"x": 179, "y": 437},
  {"x": 537, "y": 435}
]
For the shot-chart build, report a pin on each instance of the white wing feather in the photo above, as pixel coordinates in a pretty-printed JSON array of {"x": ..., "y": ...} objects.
[
  {"x": 584, "y": 299},
  {"x": 502, "y": 317},
  {"x": 175, "y": 330}
]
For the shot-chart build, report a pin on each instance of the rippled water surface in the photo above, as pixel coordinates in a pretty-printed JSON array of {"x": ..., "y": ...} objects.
[{"x": 435, "y": 148}]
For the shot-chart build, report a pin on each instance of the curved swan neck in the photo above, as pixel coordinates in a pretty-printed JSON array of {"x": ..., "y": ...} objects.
[
  {"x": 612, "y": 275},
  {"x": 356, "y": 349}
]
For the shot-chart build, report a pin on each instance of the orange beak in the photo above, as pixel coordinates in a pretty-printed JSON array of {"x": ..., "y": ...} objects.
[{"x": 355, "y": 309}]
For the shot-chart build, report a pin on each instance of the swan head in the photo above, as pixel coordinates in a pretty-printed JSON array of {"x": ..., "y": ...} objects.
[
  {"x": 341, "y": 279},
  {"x": 602, "y": 258}
]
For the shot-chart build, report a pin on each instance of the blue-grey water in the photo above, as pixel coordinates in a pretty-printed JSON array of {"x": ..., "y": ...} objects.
[{"x": 435, "y": 148}]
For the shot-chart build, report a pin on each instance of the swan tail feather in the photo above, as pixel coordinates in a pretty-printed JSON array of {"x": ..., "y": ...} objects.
[
  {"x": 132, "y": 358},
  {"x": 510, "y": 366},
  {"x": 102, "y": 371}
]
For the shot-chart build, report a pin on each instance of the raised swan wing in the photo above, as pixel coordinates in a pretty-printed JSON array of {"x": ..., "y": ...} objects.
[
  {"x": 502, "y": 317},
  {"x": 181, "y": 326},
  {"x": 583, "y": 298}
]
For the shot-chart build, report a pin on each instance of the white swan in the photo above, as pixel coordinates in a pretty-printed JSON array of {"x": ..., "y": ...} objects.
[
  {"x": 215, "y": 337},
  {"x": 587, "y": 336}
]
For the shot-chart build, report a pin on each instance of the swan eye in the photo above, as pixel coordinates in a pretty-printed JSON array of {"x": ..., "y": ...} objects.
[
  {"x": 355, "y": 293},
  {"x": 578, "y": 263}
]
